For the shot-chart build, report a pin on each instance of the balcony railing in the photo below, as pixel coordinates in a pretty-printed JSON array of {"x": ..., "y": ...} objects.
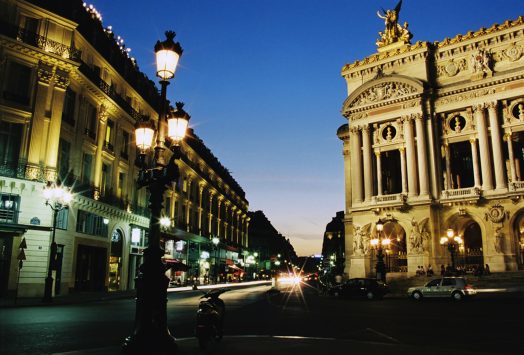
[
  {"x": 458, "y": 194},
  {"x": 390, "y": 198},
  {"x": 8, "y": 216},
  {"x": 22, "y": 170},
  {"x": 516, "y": 186},
  {"x": 109, "y": 91},
  {"x": 44, "y": 43}
]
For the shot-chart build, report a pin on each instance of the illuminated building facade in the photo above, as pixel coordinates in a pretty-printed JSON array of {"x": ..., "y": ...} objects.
[
  {"x": 70, "y": 94},
  {"x": 434, "y": 141}
]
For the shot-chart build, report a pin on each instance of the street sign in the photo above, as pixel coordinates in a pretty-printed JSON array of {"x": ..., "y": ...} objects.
[{"x": 21, "y": 255}]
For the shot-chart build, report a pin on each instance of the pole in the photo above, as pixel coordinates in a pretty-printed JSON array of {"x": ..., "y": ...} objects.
[
  {"x": 151, "y": 331},
  {"x": 48, "y": 290},
  {"x": 381, "y": 266},
  {"x": 451, "y": 248}
]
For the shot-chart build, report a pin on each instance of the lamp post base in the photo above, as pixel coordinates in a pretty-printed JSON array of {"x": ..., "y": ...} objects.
[
  {"x": 149, "y": 342},
  {"x": 381, "y": 268},
  {"x": 151, "y": 334},
  {"x": 48, "y": 290}
]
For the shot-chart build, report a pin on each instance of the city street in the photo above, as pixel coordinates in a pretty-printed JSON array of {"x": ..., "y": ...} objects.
[{"x": 488, "y": 324}]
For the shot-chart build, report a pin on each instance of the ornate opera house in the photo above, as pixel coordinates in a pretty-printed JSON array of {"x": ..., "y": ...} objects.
[{"x": 434, "y": 147}]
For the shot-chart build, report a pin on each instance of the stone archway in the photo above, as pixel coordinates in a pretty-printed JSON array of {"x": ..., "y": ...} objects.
[
  {"x": 471, "y": 254},
  {"x": 115, "y": 260},
  {"x": 396, "y": 251}
]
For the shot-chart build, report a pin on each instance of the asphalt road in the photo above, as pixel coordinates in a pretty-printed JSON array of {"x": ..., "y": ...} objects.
[{"x": 490, "y": 323}]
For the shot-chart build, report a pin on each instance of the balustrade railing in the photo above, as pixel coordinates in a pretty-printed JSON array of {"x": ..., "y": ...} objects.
[
  {"x": 516, "y": 185},
  {"x": 44, "y": 43},
  {"x": 468, "y": 192}
]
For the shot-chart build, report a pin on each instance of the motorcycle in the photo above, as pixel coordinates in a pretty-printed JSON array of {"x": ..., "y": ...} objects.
[{"x": 210, "y": 317}]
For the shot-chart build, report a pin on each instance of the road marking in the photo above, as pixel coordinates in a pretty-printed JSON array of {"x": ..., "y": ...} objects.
[{"x": 383, "y": 335}]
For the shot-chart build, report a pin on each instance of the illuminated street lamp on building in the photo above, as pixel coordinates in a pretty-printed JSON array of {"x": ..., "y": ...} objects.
[{"x": 453, "y": 242}]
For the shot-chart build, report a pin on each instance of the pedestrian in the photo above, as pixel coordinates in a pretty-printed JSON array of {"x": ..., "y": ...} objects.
[
  {"x": 338, "y": 279},
  {"x": 429, "y": 271},
  {"x": 487, "y": 271},
  {"x": 442, "y": 270}
]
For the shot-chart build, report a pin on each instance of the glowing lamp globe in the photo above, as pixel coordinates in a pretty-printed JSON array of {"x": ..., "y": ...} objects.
[
  {"x": 177, "y": 123},
  {"x": 167, "y": 54},
  {"x": 144, "y": 133}
]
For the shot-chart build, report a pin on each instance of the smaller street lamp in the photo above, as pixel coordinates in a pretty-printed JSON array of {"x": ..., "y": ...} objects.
[
  {"x": 215, "y": 242},
  {"x": 378, "y": 242},
  {"x": 57, "y": 198},
  {"x": 453, "y": 242}
]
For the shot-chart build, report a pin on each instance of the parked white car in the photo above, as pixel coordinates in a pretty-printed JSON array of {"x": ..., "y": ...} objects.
[{"x": 455, "y": 287}]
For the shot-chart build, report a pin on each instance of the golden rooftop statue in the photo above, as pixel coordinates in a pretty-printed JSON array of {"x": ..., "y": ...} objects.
[{"x": 394, "y": 33}]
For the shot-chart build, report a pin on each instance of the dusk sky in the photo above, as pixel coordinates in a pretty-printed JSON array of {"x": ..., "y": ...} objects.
[{"x": 261, "y": 81}]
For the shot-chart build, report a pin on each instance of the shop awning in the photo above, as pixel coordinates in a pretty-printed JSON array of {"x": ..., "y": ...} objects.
[
  {"x": 235, "y": 267},
  {"x": 176, "y": 265},
  {"x": 19, "y": 229}
]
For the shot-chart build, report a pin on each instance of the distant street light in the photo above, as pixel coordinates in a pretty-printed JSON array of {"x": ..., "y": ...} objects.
[
  {"x": 57, "y": 198},
  {"x": 453, "y": 242},
  {"x": 378, "y": 242},
  {"x": 215, "y": 242}
]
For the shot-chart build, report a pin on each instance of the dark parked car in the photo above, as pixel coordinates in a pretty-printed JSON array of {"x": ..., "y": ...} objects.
[{"x": 360, "y": 288}]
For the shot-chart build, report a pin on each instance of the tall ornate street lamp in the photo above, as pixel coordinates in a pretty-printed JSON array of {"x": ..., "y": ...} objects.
[
  {"x": 57, "y": 198},
  {"x": 453, "y": 242},
  {"x": 151, "y": 333},
  {"x": 215, "y": 242},
  {"x": 379, "y": 242}
]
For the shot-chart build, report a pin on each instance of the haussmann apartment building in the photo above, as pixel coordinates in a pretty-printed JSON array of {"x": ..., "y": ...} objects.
[{"x": 70, "y": 95}]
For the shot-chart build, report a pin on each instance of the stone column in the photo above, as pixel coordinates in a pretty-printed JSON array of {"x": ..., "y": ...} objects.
[
  {"x": 403, "y": 173},
  {"x": 356, "y": 160},
  {"x": 511, "y": 157},
  {"x": 410, "y": 157},
  {"x": 475, "y": 160},
  {"x": 200, "y": 210},
  {"x": 60, "y": 85},
  {"x": 100, "y": 138},
  {"x": 39, "y": 122},
  {"x": 448, "y": 185},
  {"x": 422, "y": 156},
  {"x": 219, "y": 219},
  {"x": 434, "y": 159},
  {"x": 368, "y": 173},
  {"x": 485, "y": 158},
  {"x": 210, "y": 219},
  {"x": 347, "y": 172},
  {"x": 379, "y": 173},
  {"x": 496, "y": 144}
]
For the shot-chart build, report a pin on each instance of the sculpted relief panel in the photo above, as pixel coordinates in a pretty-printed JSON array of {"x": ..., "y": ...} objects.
[{"x": 382, "y": 92}]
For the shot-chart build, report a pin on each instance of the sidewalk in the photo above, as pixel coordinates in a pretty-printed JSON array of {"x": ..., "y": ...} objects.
[{"x": 85, "y": 297}]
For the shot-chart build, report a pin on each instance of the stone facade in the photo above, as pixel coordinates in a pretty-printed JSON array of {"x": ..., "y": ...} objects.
[{"x": 434, "y": 140}]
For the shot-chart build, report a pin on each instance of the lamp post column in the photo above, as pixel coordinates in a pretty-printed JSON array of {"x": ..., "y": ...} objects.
[
  {"x": 151, "y": 332},
  {"x": 48, "y": 291}
]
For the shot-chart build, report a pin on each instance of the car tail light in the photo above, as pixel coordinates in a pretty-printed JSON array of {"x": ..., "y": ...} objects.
[{"x": 468, "y": 287}]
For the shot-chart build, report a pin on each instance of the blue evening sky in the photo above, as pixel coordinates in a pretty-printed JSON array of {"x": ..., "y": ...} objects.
[{"x": 261, "y": 80}]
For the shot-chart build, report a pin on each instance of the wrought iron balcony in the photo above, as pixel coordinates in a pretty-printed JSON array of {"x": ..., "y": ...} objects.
[
  {"x": 20, "y": 169},
  {"x": 109, "y": 91},
  {"x": 35, "y": 40}
]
